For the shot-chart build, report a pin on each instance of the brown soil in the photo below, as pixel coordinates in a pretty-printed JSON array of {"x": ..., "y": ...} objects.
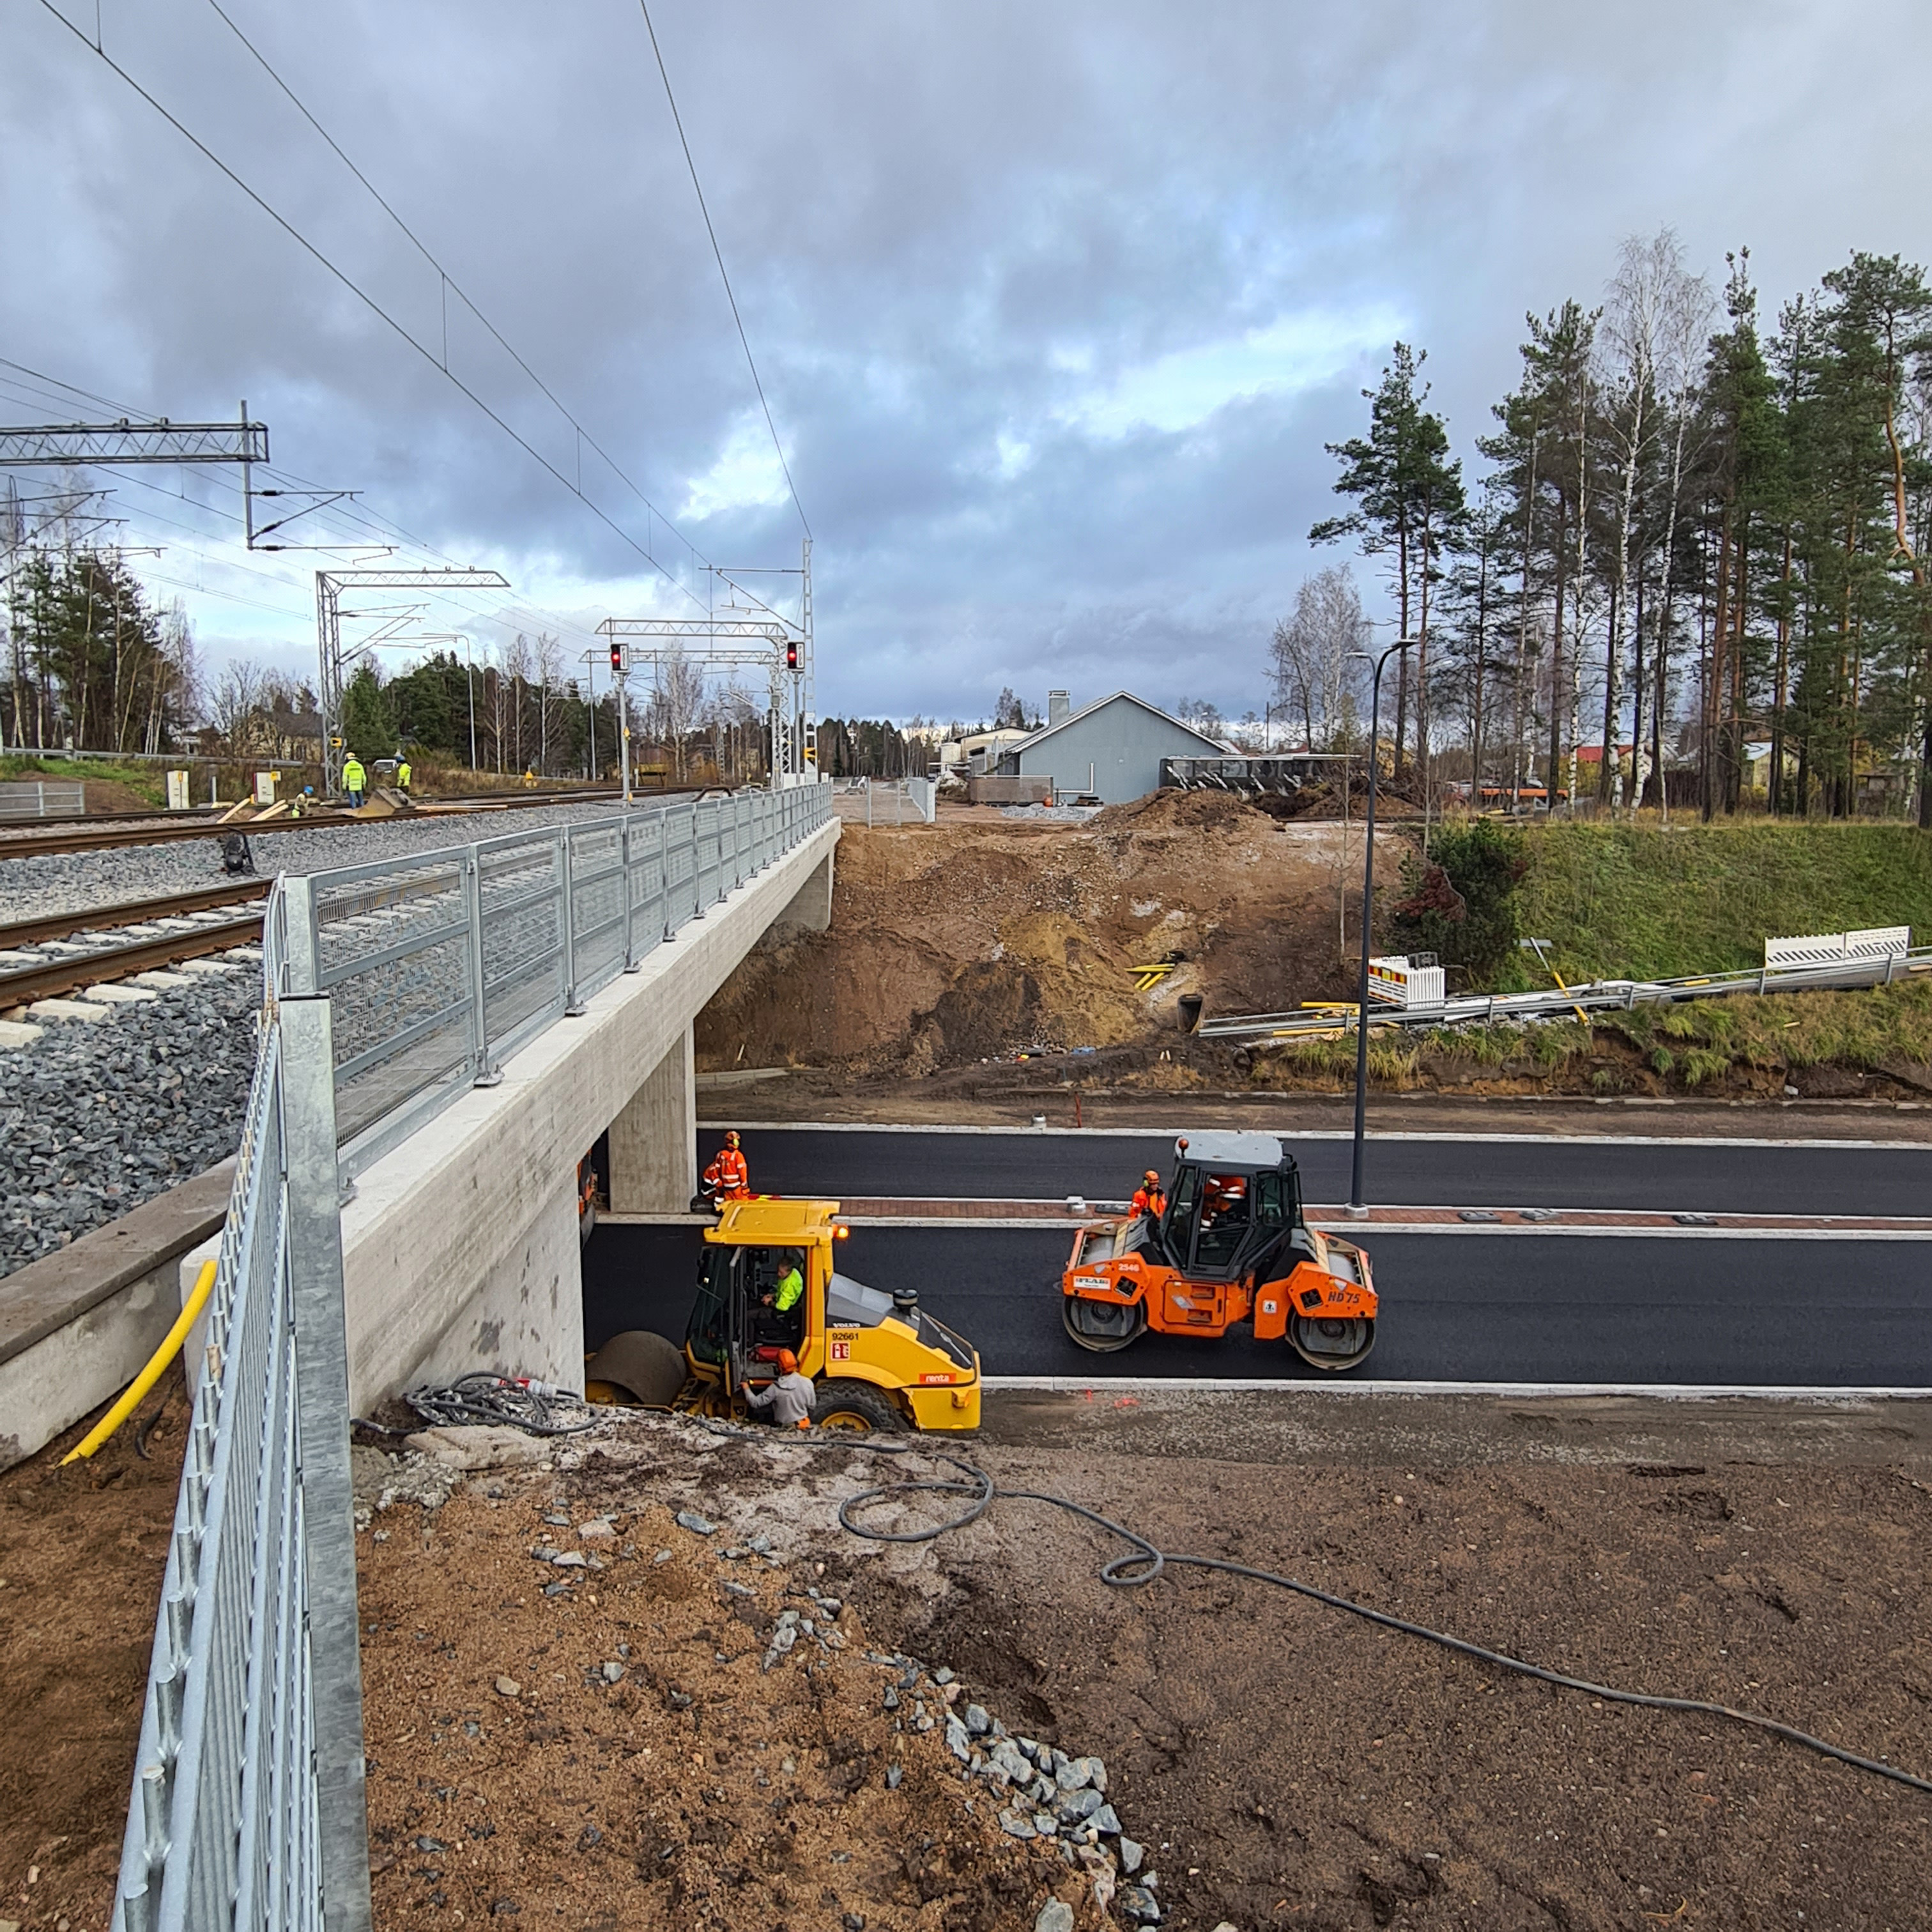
[
  {"x": 963, "y": 942},
  {"x": 82, "y": 1552},
  {"x": 510, "y": 1779},
  {"x": 1285, "y": 1764}
]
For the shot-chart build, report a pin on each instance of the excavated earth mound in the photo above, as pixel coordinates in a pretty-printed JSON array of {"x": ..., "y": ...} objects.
[{"x": 958, "y": 943}]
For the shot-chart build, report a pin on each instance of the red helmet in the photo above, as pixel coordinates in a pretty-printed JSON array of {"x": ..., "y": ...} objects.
[{"x": 731, "y": 1137}]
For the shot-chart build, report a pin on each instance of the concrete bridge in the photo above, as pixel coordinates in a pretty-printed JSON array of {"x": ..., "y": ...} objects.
[{"x": 590, "y": 950}]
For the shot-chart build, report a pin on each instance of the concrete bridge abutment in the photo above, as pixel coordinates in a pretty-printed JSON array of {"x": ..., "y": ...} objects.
[
  {"x": 654, "y": 1141},
  {"x": 461, "y": 1248}
]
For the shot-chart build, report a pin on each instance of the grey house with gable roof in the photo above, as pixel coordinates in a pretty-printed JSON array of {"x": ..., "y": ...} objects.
[{"x": 1112, "y": 748}]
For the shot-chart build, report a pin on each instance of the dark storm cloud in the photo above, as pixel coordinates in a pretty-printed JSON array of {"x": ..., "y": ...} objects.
[{"x": 1056, "y": 306}]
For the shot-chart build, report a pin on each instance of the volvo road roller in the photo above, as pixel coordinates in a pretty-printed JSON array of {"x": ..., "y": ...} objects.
[{"x": 1230, "y": 1245}]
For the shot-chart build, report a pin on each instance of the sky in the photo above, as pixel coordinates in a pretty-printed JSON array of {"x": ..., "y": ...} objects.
[{"x": 1054, "y": 306}]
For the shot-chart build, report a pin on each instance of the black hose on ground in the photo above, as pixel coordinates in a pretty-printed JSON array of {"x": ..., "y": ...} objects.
[
  {"x": 1142, "y": 1563},
  {"x": 502, "y": 1402}
]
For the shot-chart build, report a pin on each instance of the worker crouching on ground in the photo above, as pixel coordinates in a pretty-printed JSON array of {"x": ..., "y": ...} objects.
[
  {"x": 1149, "y": 1198},
  {"x": 728, "y": 1177},
  {"x": 790, "y": 1398}
]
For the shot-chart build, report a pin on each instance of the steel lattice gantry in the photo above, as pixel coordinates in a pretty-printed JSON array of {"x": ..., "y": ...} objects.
[
  {"x": 117, "y": 442},
  {"x": 750, "y": 641},
  {"x": 329, "y": 586}
]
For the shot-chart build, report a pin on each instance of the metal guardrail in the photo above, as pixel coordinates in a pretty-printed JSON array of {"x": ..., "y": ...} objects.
[
  {"x": 390, "y": 987},
  {"x": 248, "y": 1806},
  {"x": 1594, "y": 996},
  {"x": 41, "y": 798},
  {"x": 439, "y": 966}
]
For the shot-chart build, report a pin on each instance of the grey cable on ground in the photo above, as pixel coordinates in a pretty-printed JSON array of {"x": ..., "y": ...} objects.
[
  {"x": 500, "y": 1400},
  {"x": 1142, "y": 1563}
]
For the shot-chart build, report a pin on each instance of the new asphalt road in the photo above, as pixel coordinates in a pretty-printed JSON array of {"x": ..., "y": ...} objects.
[
  {"x": 1673, "y": 1176},
  {"x": 1517, "y": 1308}
]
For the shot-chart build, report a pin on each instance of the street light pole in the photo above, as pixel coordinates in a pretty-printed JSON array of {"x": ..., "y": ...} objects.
[{"x": 1357, "y": 1206}]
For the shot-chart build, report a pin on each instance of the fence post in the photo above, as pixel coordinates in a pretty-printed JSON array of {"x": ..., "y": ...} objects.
[
  {"x": 322, "y": 1395},
  {"x": 632, "y": 963},
  {"x": 299, "y": 936},
  {"x": 487, "y": 1072},
  {"x": 573, "y": 1007}
]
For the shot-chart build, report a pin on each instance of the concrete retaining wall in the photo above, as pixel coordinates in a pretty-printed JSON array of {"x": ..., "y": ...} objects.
[{"x": 77, "y": 1326}]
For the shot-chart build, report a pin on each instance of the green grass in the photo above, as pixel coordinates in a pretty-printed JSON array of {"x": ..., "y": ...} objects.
[
  {"x": 1646, "y": 902},
  {"x": 148, "y": 781}
]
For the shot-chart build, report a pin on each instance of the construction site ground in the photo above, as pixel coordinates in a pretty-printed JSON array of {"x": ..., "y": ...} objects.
[
  {"x": 1281, "y": 1762},
  {"x": 987, "y": 959}
]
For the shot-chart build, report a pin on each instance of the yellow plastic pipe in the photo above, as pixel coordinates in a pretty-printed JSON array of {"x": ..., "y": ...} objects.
[{"x": 204, "y": 1286}]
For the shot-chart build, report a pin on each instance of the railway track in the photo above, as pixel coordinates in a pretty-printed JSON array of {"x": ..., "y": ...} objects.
[
  {"x": 47, "y": 959},
  {"x": 100, "y": 836}
]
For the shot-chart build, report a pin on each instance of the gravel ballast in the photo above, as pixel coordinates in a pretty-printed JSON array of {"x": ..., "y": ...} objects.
[
  {"x": 96, "y": 1119},
  {"x": 75, "y": 881}
]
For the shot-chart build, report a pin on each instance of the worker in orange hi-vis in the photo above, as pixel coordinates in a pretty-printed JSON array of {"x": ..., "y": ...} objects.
[
  {"x": 728, "y": 1178},
  {"x": 1149, "y": 1197}
]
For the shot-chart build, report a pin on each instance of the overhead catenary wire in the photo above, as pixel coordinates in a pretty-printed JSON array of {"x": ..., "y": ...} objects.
[
  {"x": 375, "y": 308},
  {"x": 450, "y": 284},
  {"x": 344, "y": 521},
  {"x": 750, "y": 361},
  {"x": 1142, "y": 1563}
]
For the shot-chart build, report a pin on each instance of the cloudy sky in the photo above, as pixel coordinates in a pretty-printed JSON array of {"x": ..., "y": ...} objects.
[{"x": 1055, "y": 304}]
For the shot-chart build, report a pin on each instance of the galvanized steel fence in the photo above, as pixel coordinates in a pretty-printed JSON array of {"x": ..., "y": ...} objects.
[
  {"x": 248, "y": 1807},
  {"x": 440, "y": 966},
  {"x": 390, "y": 988}
]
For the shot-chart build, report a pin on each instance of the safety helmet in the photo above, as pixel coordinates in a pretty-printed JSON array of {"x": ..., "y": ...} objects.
[
  {"x": 1152, "y": 1179},
  {"x": 787, "y": 1362},
  {"x": 731, "y": 1137}
]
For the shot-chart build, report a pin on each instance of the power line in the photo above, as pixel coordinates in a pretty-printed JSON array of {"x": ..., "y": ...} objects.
[
  {"x": 345, "y": 522},
  {"x": 450, "y": 282},
  {"x": 375, "y": 308},
  {"x": 678, "y": 120}
]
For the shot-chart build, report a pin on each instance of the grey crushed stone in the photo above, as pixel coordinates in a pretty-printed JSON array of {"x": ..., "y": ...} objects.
[
  {"x": 73, "y": 881},
  {"x": 96, "y": 1119}
]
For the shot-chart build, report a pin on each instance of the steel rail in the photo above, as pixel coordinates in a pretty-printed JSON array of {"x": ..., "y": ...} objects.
[
  {"x": 98, "y": 838},
  {"x": 130, "y": 912},
  {"x": 50, "y": 982}
]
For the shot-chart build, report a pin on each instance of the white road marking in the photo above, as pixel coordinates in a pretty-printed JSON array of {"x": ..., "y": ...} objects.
[
  {"x": 1519, "y": 1391},
  {"x": 1317, "y": 1134}
]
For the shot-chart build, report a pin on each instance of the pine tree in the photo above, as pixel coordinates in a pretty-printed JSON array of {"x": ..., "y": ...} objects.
[
  {"x": 368, "y": 728},
  {"x": 1408, "y": 499}
]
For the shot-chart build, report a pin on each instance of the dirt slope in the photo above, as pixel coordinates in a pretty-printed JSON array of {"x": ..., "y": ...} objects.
[{"x": 958, "y": 943}]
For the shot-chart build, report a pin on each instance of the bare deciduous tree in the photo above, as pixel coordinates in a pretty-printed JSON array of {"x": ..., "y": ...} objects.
[{"x": 1309, "y": 663}]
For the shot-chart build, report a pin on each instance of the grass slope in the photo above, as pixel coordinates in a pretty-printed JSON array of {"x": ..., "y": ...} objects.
[{"x": 1644, "y": 901}]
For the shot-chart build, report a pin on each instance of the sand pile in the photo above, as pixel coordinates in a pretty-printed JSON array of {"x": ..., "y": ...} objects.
[{"x": 957, "y": 943}]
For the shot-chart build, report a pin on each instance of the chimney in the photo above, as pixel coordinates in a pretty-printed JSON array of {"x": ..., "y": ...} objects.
[{"x": 1057, "y": 706}]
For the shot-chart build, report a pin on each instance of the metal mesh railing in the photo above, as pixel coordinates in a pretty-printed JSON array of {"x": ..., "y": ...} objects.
[
  {"x": 248, "y": 1807},
  {"x": 389, "y": 988},
  {"x": 441, "y": 965}
]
